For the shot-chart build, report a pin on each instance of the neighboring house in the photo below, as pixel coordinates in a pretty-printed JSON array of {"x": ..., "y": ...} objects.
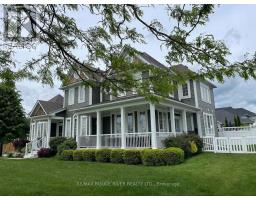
[
  {"x": 97, "y": 119},
  {"x": 246, "y": 117}
]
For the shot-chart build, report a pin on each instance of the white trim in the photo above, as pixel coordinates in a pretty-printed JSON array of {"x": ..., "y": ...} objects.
[
  {"x": 66, "y": 131},
  {"x": 153, "y": 124},
  {"x": 180, "y": 89},
  {"x": 82, "y": 117},
  {"x": 38, "y": 102},
  {"x": 199, "y": 124},
  {"x": 184, "y": 121},
  {"x": 131, "y": 102},
  {"x": 75, "y": 117},
  {"x": 98, "y": 131},
  {"x": 90, "y": 95},
  {"x": 195, "y": 93},
  {"x": 101, "y": 94},
  {"x": 81, "y": 100},
  {"x": 123, "y": 120},
  {"x": 211, "y": 130},
  {"x": 71, "y": 98},
  {"x": 205, "y": 93}
]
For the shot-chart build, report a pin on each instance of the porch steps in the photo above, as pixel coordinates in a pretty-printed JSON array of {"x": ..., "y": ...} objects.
[{"x": 33, "y": 154}]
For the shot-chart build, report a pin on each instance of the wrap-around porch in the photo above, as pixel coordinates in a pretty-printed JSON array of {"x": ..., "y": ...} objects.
[{"x": 144, "y": 125}]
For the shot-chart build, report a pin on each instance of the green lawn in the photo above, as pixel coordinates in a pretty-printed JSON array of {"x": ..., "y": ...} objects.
[{"x": 206, "y": 174}]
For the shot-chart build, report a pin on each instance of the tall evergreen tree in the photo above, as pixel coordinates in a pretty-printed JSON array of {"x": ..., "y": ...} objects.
[
  {"x": 12, "y": 117},
  {"x": 226, "y": 122},
  {"x": 235, "y": 121},
  {"x": 238, "y": 121}
]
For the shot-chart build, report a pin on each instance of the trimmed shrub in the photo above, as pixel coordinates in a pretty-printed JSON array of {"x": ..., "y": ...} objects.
[
  {"x": 78, "y": 155},
  {"x": 89, "y": 155},
  {"x": 55, "y": 142},
  {"x": 68, "y": 144},
  {"x": 67, "y": 155},
  {"x": 45, "y": 153},
  {"x": 103, "y": 155},
  {"x": 190, "y": 143},
  {"x": 173, "y": 156},
  {"x": 132, "y": 157},
  {"x": 152, "y": 157},
  {"x": 19, "y": 144},
  {"x": 116, "y": 156},
  {"x": 158, "y": 157}
]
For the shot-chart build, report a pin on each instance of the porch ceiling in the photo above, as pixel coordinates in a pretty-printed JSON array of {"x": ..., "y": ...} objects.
[{"x": 135, "y": 102}]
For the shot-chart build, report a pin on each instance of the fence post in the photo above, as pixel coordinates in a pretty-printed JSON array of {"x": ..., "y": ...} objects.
[
  {"x": 244, "y": 144},
  {"x": 214, "y": 144}
]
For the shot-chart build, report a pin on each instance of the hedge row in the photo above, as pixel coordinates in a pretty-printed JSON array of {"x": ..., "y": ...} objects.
[{"x": 150, "y": 157}]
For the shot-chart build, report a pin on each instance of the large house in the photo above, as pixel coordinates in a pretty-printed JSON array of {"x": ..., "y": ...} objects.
[{"x": 100, "y": 120}]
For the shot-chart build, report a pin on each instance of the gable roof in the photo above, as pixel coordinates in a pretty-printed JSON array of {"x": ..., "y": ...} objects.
[
  {"x": 50, "y": 106},
  {"x": 151, "y": 60},
  {"x": 229, "y": 113}
]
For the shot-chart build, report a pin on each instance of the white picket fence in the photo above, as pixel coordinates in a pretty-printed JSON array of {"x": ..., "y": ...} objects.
[{"x": 246, "y": 144}]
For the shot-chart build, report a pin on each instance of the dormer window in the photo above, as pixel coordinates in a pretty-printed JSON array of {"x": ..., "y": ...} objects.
[{"x": 184, "y": 90}]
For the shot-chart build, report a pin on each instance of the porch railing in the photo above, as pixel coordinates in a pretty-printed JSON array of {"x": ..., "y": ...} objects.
[
  {"x": 138, "y": 140},
  {"x": 88, "y": 141},
  {"x": 161, "y": 136},
  {"x": 132, "y": 140},
  {"x": 35, "y": 145},
  {"x": 111, "y": 140}
]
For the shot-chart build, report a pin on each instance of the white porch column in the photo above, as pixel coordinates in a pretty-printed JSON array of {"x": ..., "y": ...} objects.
[
  {"x": 89, "y": 124},
  {"x": 123, "y": 139},
  {"x": 35, "y": 133},
  {"x": 199, "y": 126},
  {"x": 184, "y": 121},
  {"x": 98, "y": 144},
  {"x": 48, "y": 132},
  {"x": 172, "y": 115},
  {"x": 153, "y": 125}
]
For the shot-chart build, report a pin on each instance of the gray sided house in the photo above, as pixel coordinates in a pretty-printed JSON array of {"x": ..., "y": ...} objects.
[{"x": 97, "y": 119}]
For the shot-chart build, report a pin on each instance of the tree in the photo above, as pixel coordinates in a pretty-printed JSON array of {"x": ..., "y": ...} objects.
[
  {"x": 12, "y": 118},
  {"x": 238, "y": 121},
  {"x": 53, "y": 27},
  {"x": 235, "y": 120},
  {"x": 226, "y": 122}
]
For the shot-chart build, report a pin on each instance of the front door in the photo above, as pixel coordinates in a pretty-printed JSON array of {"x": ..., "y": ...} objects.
[{"x": 106, "y": 125}]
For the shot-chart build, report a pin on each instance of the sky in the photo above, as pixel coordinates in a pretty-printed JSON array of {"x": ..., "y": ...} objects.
[{"x": 235, "y": 24}]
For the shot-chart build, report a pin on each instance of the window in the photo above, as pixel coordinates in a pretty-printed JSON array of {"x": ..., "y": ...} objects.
[
  {"x": 83, "y": 125},
  {"x": 81, "y": 94},
  {"x": 178, "y": 123},
  {"x": 130, "y": 121},
  {"x": 71, "y": 96},
  {"x": 142, "y": 122},
  {"x": 162, "y": 121},
  {"x": 68, "y": 127},
  {"x": 118, "y": 123},
  {"x": 208, "y": 124},
  {"x": 184, "y": 90},
  {"x": 205, "y": 93}
]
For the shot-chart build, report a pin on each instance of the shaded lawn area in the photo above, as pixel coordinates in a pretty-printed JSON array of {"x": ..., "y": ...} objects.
[{"x": 205, "y": 174}]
